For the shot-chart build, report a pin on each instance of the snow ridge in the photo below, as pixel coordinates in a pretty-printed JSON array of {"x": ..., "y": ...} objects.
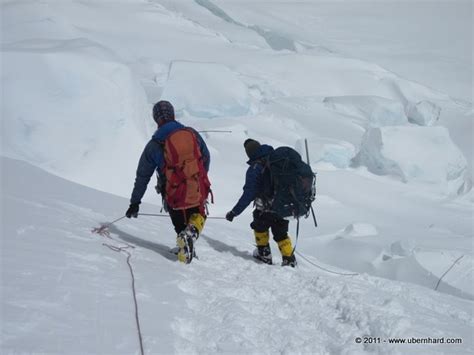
[{"x": 275, "y": 40}]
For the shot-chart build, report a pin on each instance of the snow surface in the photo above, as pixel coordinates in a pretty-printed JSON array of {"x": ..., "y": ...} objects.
[
  {"x": 64, "y": 291},
  {"x": 79, "y": 79}
]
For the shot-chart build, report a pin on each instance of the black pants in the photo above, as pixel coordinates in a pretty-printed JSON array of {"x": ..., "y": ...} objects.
[
  {"x": 263, "y": 221},
  {"x": 180, "y": 218}
]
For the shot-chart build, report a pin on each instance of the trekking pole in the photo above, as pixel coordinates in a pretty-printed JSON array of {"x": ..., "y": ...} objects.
[
  {"x": 314, "y": 217},
  {"x": 307, "y": 159}
]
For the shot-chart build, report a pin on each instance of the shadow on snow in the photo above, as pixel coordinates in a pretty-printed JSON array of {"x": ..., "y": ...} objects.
[
  {"x": 223, "y": 247},
  {"x": 161, "y": 249}
]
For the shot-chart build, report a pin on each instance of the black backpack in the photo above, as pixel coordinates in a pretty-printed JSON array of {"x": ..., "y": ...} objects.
[{"x": 292, "y": 183}]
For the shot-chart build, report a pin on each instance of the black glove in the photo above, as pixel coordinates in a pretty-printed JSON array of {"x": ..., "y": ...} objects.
[
  {"x": 132, "y": 210},
  {"x": 164, "y": 205},
  {"x": 230, "y": 216},
  {"x": 160, "y": 186}
]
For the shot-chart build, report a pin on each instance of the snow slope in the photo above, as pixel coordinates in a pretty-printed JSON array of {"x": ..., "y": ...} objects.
[
  {"x": 64, "y": 291},
  {"x": 78, "y": 81}
]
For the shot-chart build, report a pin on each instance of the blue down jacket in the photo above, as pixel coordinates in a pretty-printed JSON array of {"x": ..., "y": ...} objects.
[{"x": 254, "y": 179}]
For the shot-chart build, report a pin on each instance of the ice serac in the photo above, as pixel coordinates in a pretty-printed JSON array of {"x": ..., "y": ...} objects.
[
  {"x": 414, "y": 154},
  {"x": 376, "y": 111},
  {"x": 66, "y": 105},
  {"x": 206, "y": 90},
  {"x": 328, "y": 152},
  {"x": 423, "y": 113}
]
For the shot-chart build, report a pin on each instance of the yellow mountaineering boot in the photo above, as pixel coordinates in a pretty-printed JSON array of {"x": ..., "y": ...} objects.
[
  {"x": 197, "y": 220},
  {"x": 262, "y": 252},
  {"x": 186, "y": 239},
  {"x": 286, "y": 250}
]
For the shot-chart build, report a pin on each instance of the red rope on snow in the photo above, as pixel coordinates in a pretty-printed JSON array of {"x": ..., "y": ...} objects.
[
  {"x": 137, "y": 319},
  {"x": 103, "y": 231}
]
